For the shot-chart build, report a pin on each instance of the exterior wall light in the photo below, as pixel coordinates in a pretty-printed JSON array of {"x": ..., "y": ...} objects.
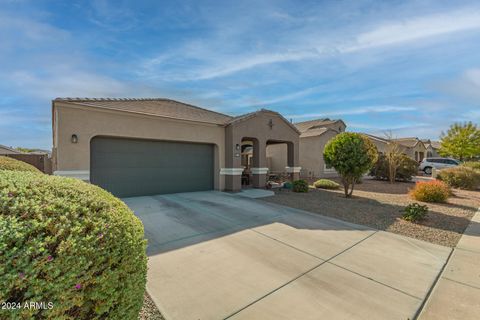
[
  {"x": 237, "y": 147},
  {"x": 74, "y": 138}
]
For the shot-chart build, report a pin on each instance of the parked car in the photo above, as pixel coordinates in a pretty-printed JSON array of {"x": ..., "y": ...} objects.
[{"x": 428, "y": 164}]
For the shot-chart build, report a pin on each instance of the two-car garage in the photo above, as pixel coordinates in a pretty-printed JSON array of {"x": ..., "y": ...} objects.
[{"x": 133, "y": 167}]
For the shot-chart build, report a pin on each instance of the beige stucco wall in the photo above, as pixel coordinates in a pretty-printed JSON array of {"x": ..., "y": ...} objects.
[
  {"x": 277, "y": 157},
  {"x": 434, "y": 152},
  {"x": 420, "y": 147},
  {"x": 381, "y": 146},
  {"x": 311, "y": 155},
  {"x": 87, "y": 123},
  {"x": 258, "y": 129}
]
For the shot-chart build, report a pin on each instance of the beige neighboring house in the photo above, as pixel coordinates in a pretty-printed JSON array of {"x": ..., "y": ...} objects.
[
  {"x": 134, "y": 147},
  {"x": 432, "y": 147},
  {"x": 379, "y": 142},
  {"x": 412, "y": 147},
  {"x": 6, "y": 150},
  {"x": 314, "y": 135}
]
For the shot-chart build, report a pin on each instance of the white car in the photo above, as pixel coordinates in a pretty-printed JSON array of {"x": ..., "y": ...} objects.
[{"x": 428, "y": 164}]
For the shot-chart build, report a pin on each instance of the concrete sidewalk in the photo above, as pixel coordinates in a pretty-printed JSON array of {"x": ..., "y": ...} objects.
[
  {"x": 457, "y": 293},
  {"x": 214, "y": 255}
]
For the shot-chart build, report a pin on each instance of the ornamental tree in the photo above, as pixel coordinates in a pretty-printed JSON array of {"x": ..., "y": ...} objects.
[
  {"x": 352, "y": 155},
  {"x": 461, "y": 141}
]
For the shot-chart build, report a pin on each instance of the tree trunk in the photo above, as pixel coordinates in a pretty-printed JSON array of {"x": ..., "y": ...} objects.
[
  {"x": 345, "y": 188},
  {"x": 351, "y": 190}
]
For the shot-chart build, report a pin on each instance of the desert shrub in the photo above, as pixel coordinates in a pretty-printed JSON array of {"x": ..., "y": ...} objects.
[
  {"x": 414, "y": 212},
  {"x": 352, "y": 155},
  {"x": 300, "y": 186},
  {"x": 70, "y": 243},
  {"x": 460, "y": 177},
  {"x": 406, "y": 170},
  {"x": 326, "y": 184},
  {"x": 475, "y": 165},
  {"x": 430, "y": 191},
  {"x": 7, "y": 163}
]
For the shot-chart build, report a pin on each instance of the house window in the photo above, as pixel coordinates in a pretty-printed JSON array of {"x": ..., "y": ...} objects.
[{"x": 429, "y": 154}]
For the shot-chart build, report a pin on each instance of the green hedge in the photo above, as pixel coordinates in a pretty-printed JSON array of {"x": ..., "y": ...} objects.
[
  {"x": 70, "y": 243},
  {"x": 326, "y": 184},
  {"x": 405, "y": 172},
  {"x": 7, "y": 163},
  {"x": 300, "y": 186},
  {"x": 460, "y": 177}
]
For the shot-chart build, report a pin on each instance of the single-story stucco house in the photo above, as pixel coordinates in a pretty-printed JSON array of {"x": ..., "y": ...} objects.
[
  {"x": 314, "y": 135},
  {"x": 412, "y": 147},
  {"x": 152, "y": 146}
]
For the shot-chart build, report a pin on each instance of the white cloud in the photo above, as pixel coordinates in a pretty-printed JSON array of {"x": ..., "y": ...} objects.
[
  {"x": 416, "y": 29},
  {"x": 355, "y": 111},
  {"x": 314, "y": 44},
  {"x": 465, "y": 87}
]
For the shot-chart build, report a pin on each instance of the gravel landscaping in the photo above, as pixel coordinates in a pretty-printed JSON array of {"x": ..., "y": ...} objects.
[
  {"x": 378, "y": 204},
  {"x": 149, "y": 310}
]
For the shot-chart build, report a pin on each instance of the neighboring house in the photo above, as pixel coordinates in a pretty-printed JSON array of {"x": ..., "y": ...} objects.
[
  {"x": 6, "y": 150},
  {"x": 315, "y": 134},
  {"x": 152, "y": 146},
  {"x": 412, "y": 147},
  {"x": 379, "y": 142},
  {"x": 432, "y": 147}
]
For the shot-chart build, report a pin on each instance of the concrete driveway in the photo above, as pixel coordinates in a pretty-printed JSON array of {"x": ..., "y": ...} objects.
[{"x": 215, "y": 255}]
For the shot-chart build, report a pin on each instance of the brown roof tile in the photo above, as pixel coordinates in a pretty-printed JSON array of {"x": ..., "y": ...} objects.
[
  {"x": 153, "y": 106},
  {"x": 407, "y": 142}
]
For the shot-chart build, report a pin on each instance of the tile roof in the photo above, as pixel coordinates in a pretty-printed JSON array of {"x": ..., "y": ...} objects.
[
  {"x": 434, "y": 144},
  {"x": 253, "y": 114},
  {"x": 306, "y": 125},
  {"x": 315, "y": 132},
  {"x": 407, "y": 142},
  {"x": 153, "y": 106},
  {"x": 376, "y": 137}
]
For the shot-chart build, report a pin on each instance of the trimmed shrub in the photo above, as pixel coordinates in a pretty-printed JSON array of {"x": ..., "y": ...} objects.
[
  {"x": 414, "y": 212},
  {"x": 326, "y": 184},
  {"x": 70, "y": 243},
  {"x": 7, "y": 163},
  {"x": 460, "y": 177},
  {"x": 475, "y": 165},
  {"x": 405, "y": 172},
  {"x": 352, "y": 155},
  {"x": 430, "y": 191},
  {"x": 300, "y": 186}
]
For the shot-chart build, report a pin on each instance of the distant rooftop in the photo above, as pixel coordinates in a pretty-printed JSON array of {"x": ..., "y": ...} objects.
[
  {"x": 8, "y": 150},
  {"x": 313, "y": 124}
]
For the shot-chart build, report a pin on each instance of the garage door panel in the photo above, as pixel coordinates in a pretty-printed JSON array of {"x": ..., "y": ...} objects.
[{"x": 131, "y": 167}]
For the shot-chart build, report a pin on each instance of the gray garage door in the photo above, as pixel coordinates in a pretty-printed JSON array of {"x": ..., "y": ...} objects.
[{"x": 132, "y": 167}]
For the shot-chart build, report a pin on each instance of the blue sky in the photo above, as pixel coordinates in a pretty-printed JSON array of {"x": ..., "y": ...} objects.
[{"x": 412, "y": 67}]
